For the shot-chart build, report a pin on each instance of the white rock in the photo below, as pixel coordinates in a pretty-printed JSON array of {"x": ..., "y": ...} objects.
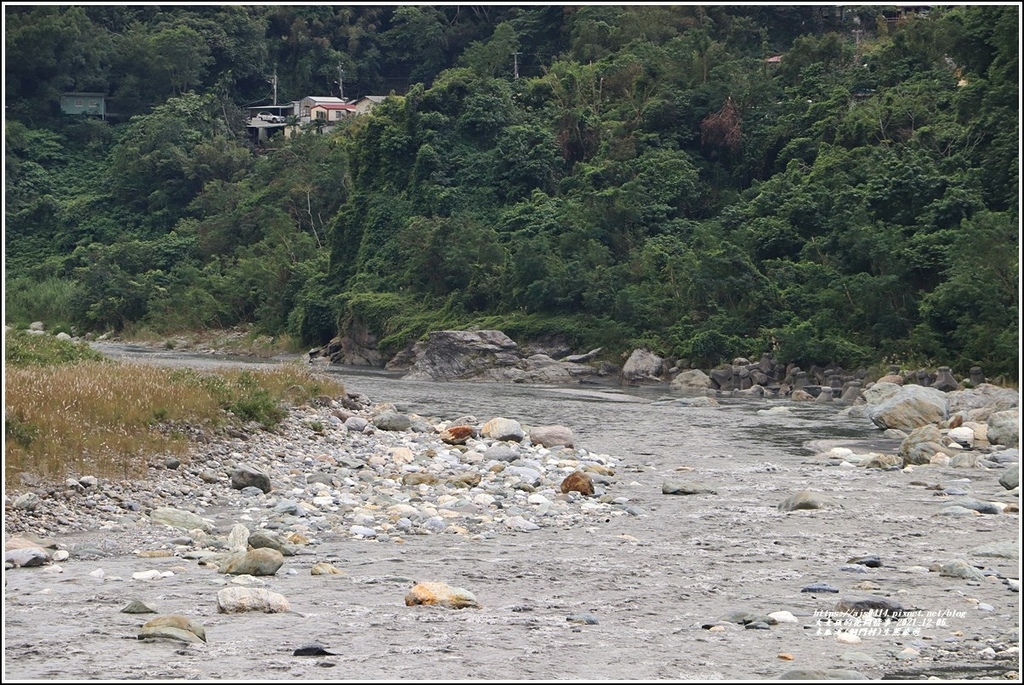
[
  {"x": 848, "y": 639},
  {"x": 234, "y": 600},
  {"x": 238, "y": 538},
  {"x": 783, "y": 617},
  {"x": 147, "y": 575},
  {"x": 520, "y": 523}
]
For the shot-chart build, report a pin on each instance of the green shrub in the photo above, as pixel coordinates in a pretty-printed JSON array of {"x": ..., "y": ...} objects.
[{"x": 27, "y": 349}]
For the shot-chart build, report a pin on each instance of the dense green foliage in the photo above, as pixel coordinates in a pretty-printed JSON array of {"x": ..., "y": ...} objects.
[
  {"x": 23, "y": 349},
  {"x": 650, "y": 178}
]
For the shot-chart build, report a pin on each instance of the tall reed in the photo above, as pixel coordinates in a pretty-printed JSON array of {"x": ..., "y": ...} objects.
[{"x": 106, "y": 419}]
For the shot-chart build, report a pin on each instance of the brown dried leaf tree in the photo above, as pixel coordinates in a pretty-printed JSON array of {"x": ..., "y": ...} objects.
[{"x": 722, "y": 129}]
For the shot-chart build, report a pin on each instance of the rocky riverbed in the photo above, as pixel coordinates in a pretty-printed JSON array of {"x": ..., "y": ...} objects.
[{"x": 732, "y": 549}]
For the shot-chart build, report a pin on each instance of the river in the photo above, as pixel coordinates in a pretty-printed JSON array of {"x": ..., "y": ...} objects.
[{"x": 650, "y": 585}]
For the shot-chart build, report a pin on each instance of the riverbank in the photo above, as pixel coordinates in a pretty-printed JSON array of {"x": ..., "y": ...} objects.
[{"x": 629, "y": 584}]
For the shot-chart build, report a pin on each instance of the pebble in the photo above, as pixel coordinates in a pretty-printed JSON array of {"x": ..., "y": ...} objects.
[{"x": 819, "y": 588}]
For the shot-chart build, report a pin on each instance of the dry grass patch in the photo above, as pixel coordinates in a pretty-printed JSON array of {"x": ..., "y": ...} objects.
[{"x": 106, "y": 419}]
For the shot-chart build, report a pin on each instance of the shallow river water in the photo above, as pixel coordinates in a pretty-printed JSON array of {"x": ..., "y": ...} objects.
[{"x": 651, "y": 583}]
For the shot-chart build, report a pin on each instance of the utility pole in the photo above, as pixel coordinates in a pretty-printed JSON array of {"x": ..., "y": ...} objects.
[
  {"x": 273, "y": 82},
  {"x": 515, "y": 64}
]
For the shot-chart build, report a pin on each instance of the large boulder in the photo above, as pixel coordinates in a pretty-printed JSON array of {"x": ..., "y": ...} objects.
[
  {"x": 984, "y": 397},
  {"x": 500, "y": 428},
  {"x": 921, "y": 445},
  {"x": 173, "y": 627},
  {"x": 881, "y": 391},
  {"x": 256, "y": 562},
  {"x": 1011, "y": 479},
  {"x": 460, "y": 355},
  {"x": 642, "y": 366},
  {"x": 913, "y": 406},
  {"x": 179, "y": 518},
  {"x": 1004, "y": 428},
  {"x": 237, "y": 600},
  {"x": 244, "y": 476},
  {"x": 691, "y": 382},
  {"x": 485, "y": 355},
  {"x": 551, "y": 436}
]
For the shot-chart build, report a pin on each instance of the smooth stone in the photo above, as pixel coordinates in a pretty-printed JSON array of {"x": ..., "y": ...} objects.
[
  {"x": 956, "y": 511},
  {"x": 578, "y": 481},
  {"x": 551, "y": 436},
  {"x": 745, "y": 617},
  {"x": 26, "y": 557},
  {"x": 392, "y": 421},
  {"x": 174, "y": 627},
  {"x": 246, "y": 476},
  {"x": 441, "y": 594},
  {"x": 859, "y": 605},
  {"x": 584, "y": 619},
  {"x": 356, "y": 424},
  {"x": 236, "y": 600},
  {"x": 871, "y": 561},
  {"x": 263, "y": 540},
  {"x": 783, "y": 617},
  {"x": 806, "y": 499},
  {"x": 312, "y": 649},
  {"x": 178, "y": 518},
  {"x": 853, "y": 568},
  {"x": 520, "y": 523},
  {"x": 958, "y": 568},
  {"x": 1005, "y": 550},
  {"x": 256, "y": 562},
  {"x": 1010, "y": 479},
  {"x": 977, "y": 505},
  {"x": 500, "y": 428},
  {"x": 152, "y": 574},
  {"x": 137, "y": 607},
  {"x": 323, "y": 568},
  {"x": 501, "y": 452},
  {"x": 686, "y": 488},
  {"x": 819, "y": 588}
]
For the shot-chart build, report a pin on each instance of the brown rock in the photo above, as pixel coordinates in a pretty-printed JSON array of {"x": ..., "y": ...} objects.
[
  {"x": 263, "y": 561},
  {"x": 174, "y": 627},
  {"x": 441, "y": 594},
  {"x": 465, "y": 480},
  {"x": 456, "y": 435},
  {"x": 419, "y": 478},
  {"x": 578, "y": 482}
]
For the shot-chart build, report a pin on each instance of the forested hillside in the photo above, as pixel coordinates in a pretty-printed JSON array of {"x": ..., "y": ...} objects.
[{"x": 828, "y": 184}]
